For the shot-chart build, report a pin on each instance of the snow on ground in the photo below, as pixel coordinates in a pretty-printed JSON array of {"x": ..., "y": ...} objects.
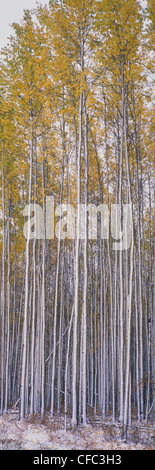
[{"x": 31, "y": 434}]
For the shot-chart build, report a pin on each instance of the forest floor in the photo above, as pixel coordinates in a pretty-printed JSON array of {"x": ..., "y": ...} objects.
[{"x": 31, "y": 434}]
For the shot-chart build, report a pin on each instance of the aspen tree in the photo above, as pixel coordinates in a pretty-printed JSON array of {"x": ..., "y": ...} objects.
[{"x": 76, "y": 319}]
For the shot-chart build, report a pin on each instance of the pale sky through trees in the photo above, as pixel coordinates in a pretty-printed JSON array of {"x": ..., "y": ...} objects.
[{"x": 12, "y": 11}]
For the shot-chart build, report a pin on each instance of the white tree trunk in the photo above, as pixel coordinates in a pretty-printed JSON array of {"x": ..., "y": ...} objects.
[
  {"x": 76, "y": 274},
  {"x": 25, "y": 324},
  {"x": 8, "y": 306},
  {"x": 3, "y": 295}
]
